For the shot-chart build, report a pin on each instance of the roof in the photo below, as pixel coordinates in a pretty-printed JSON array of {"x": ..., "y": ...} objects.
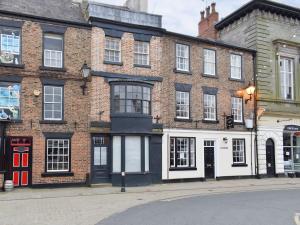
[
  {"x": 270, "y": 6},
  {"x": 63, "y": 10}
]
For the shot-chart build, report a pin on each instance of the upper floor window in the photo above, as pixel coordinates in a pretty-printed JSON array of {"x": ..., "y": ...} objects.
[
  {"x": 182, "y": 57},
  {"x": 209, "y": 62},
  {"x": 132, "y": 99},
  {"x": 287, "y": 78},
  {"x": 236, "y": 66},
  {"x": 210, "y": 107},
  {"x": 237, "y": 109},
  {"x": 112, "y": 50},
  {"x": 9, "y": 100},
  {"x": 53, "y": 103},
  {"x": 141, "y": 53},
  {"x": 10, "y": 46},
  {"x": 182, "y": 105},
  {"x": 53, "y": 50}
]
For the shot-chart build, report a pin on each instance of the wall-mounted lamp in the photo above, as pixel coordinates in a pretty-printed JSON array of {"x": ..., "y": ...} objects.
[
  {"x": 250, "y": 90},
  {"x": 85, "y": 72},
  {"x": 225, "y": 139}
]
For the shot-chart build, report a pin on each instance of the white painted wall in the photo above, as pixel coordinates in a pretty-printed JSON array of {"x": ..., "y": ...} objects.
[{"x": 223, "y": 153}]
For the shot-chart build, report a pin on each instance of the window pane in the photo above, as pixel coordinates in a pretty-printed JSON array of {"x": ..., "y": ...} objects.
[
  {"x": 182, "y": 57},
  {"x": 133, "y": 154},
  {"x": 10, "y": 45},
  {"x": 209, "y": 62},
  {"x": 182, "y": 104},
  {"x": 238, "y": 150},
  {"x": 287, "y": 78},
  {"x": 141, "y": 53},
  {"x": 112, "y": 50},
  {"x": 116, "y": 154},
  {"x": 57, "y": 155},
  {"x": 237, "y": 109},
  {"x": 9, "y": 100},
  {"x": 53, "y": 102},
  {"x": 53, "y": 50}
]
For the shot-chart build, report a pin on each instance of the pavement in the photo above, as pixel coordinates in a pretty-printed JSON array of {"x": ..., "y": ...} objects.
[{"x": 89, "y": 206}]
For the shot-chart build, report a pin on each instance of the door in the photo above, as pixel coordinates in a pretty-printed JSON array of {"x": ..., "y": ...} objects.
[
  {"x": 20, "y": 160},
  {"x": 100, "y": 159},
  {"x": 270, "y": 158},
  {"x": 209, "y": 159}
]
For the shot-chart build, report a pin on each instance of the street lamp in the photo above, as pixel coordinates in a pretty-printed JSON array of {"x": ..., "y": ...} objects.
[
  {"x": 250, "y": 90},
  {"x": 85, "y": 72}
]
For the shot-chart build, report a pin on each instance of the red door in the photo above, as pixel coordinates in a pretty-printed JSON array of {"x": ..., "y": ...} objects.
[{"x": 20, "y": 148}]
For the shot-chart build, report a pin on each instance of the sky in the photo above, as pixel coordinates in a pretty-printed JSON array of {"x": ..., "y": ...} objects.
[{"x": 182, "y": 16}]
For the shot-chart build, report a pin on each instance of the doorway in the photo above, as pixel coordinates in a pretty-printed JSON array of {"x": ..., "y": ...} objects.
[
  {"x": 100, "y": 160},
  {"x": 209, "y": 159},
  {"x": 270, "y": 158}
]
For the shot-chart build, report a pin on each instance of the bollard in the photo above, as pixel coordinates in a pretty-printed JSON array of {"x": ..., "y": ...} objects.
[{"x": 123, "y": 182}]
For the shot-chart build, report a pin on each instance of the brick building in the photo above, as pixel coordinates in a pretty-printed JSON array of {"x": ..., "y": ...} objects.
[{"x": 44, "y": 115}]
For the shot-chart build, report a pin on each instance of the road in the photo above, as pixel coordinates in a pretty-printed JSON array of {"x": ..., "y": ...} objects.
[{"x": 244, "y": 208}]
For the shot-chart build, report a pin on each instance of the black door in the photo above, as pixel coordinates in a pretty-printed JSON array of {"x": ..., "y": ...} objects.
[
  {"x": 209, "y": 159},
  {"x": 270, "y": 158},
  {"x": 100, "y": 160}
]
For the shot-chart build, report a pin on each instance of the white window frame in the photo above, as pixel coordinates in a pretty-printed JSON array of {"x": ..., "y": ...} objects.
[
  {"x": 236, "y": 66},
  {"x": 237, "y": 109},
  {"x": 286, "y": 77},
  {"x": 209, "y": 60},
  {"x": 58, "y": 155},
  {"x": 186, "y": 152},
  {"x": 238, "y": 151},
  {"x": 53, "y": 58},
  {"x": 141, "y": 51},
  {"x": 210, "y": 107},
  {"x": 182, "y": 57},
  {"x": 184, "y": 103},
  {"x": 53, "y": 102},
  {"x": 111, "y": 53}
]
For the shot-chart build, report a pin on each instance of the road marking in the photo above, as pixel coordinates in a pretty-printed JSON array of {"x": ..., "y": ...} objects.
[{"x": 297, "y": 218}]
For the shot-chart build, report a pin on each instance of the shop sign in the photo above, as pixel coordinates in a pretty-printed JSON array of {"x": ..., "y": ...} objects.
[{"x": 292, "y": 128}]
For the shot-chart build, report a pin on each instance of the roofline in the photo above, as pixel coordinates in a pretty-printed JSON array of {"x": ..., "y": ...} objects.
[
  {"x": 259, "y": 4},
  {"x": 46, "y": 19}
]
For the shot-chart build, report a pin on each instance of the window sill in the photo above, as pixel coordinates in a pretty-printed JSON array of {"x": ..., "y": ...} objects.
[
  {"x": 11, "y": 65},
  {"x": 131, "y": 173},
  {"x": 113, "y": 63},
  {"x": 183, "y": 169},
  {"x": 236, "y": 80},
  {"x": 52, "y": 122},
  {"x": 182, "y": 72},
  {"x": 240, "y": 165},
  {"x": 142, "y": 66},
  {"x": 16, "y": 121},
  {"x": 58, "y": 174},
  {"x": 210, "y": 121},
  {"x": 210, "y": 76},
  {"x": 53, "y": 69},
  {"x": 183, "y": 120}
]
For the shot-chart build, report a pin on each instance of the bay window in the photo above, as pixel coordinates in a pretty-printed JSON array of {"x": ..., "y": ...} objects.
[
  {"x": 53, "y": 50},
  {"x": 287, "y": 78},
  {"x": 9, "y": 100},
  {"x": 10, "y": 45}
]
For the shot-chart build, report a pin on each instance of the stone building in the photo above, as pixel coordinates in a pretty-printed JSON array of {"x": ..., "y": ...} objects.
[
  {"x": 273, "y": 30},
  {"x": 44, "y": 114}
]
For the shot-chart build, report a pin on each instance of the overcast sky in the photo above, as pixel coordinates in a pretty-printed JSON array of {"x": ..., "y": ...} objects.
[{"x": 182, "y": 16}]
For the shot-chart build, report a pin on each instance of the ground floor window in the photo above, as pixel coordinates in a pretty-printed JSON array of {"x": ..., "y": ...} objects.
[
  {"x": 238, "y": 151},
  {"x": 291, "y": 151},
  {"x": 182, "y": 152},
  {"x": 58, "y": 155},
  {"x": 136, "y": 149}
]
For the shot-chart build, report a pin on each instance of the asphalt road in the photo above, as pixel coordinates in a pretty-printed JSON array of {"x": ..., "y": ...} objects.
[{"x": 248, "y": 208}]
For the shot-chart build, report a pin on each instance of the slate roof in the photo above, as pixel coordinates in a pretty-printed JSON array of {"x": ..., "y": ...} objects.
[{"x": 53, "y": 9}]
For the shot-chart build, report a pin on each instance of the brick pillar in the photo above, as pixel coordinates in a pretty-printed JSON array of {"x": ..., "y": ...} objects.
[{"x": 206, "y": 26}]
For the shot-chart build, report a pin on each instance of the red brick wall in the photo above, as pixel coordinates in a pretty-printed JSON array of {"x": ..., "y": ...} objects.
[{"x": 1, "y": 181}]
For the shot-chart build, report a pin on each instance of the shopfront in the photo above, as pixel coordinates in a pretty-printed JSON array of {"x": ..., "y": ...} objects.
[{"x": 291, "y": 149}]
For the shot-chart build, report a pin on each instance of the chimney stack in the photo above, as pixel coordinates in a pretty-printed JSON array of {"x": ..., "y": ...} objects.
[{"x": 206, "y": 26}]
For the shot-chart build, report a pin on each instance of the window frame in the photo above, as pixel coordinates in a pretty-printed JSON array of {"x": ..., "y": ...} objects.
[
  {"x": 234, "y": 66},
  {"x": 189, "y": 105},
  {"x": 69, "y": 155},
  {"x": 114, "y": 50},
  {"x": 215, "y": 108},
  {"x": 18, "y": 27},
  {"x": 244, "y": 163},
  {"x": 293, "y": 81},
  {"x": 112, "y": 99},
  {"x": 62, "y": 103},
  {"x": 215, "y": 62},
  {"x": 188, "y": 59},
  {"x": 175, "y": 166},
  {"x": 136, "y": 54},
  {"x": 242, "y": 110},
  {"x": 63, "y": 50}
]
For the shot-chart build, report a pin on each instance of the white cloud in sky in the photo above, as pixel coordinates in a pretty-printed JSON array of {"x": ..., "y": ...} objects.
[{"x": 182, "y": 16}]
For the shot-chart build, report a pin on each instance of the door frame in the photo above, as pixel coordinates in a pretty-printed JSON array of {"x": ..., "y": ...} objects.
[
  {"x": 109, "y": 155},
  {"x": 274, "y": 158},
  {"x": 215, "y": 157}
]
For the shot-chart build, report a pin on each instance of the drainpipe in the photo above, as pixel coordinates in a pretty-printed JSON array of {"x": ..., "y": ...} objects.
[{"x": 255, "y": 116}]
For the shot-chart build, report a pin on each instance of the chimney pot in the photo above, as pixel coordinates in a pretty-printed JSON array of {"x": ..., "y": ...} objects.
[
  {"x": 213, "y": 7},
  {"x": 207, "y": 11},
  {"x": 202, "y": 15}
]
